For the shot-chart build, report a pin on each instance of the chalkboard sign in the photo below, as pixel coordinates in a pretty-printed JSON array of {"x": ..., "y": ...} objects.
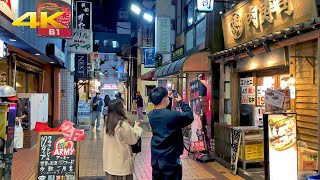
[{"x": 58, "y": 158}]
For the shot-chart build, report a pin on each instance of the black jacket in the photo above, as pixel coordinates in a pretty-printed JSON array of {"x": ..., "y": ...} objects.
[{"x": 167, "y": 140}]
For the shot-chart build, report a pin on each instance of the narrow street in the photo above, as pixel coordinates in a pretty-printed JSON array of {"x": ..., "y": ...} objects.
[{"x": 90, "y": 166}]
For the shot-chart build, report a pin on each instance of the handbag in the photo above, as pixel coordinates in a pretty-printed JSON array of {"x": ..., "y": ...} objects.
[
  {"x": 18, "y": 136},
  {"x": 136, "y": 148}
]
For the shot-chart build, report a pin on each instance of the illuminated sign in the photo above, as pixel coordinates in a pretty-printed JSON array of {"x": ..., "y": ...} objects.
[
  {"x": 205, "y": 5},
  {"x": 110, "y": 86}
]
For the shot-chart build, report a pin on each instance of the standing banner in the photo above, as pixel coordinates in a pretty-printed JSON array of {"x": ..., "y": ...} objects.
[
  {"x": 84, "y": 15},
  {"x": 81, "y": 42},
  {"x": 65, "y": 19},
  {"x": 81, "y": 65},
  {"x": 148, "y": 57}
]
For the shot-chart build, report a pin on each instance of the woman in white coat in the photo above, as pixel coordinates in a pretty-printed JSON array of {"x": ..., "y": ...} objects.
[{"x": 119, "y": 135}]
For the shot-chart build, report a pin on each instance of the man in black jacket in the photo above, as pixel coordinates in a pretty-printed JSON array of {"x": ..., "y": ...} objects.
[{"x": 167, "y": 140}]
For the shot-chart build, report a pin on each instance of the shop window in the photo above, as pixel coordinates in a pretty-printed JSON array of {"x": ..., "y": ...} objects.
[
  {"x": 201, "y": 32},
  {"x": 189, "y": 40},
  {"x": 115, "y": 44},
  {"x": 21, "y": 82},
  {"x": 33, "y": 82}
]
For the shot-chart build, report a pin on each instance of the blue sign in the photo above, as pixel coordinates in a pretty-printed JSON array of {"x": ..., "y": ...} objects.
[{"x": 148, "y": 57}]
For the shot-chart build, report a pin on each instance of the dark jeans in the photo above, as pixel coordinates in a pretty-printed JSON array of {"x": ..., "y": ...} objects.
[{"x": 166, "y": 169}]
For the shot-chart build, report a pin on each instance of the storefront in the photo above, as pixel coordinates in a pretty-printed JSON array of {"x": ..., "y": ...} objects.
[{"x": 266, "y": 53}]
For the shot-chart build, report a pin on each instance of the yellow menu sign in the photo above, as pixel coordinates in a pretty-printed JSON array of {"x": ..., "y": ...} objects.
[{"x": 3, "y": 121}]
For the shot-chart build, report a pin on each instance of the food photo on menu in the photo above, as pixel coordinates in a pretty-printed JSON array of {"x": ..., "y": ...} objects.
[{"x": 282, "y": 132}]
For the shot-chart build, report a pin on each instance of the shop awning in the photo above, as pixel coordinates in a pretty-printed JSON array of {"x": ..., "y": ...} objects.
[
  {"x": 149, "y": 75},
  {"x": 198, "y": 62}
]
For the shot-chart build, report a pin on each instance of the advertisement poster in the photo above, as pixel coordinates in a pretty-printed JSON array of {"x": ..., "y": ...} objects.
[
  {"x": 282, "y": 146},
  {"x": 83, "y": 108},
  {"x": 84, "y": 15},
  {"x": 197, "y": 134},
  {"x": 81, "y": 42},
  {"x": 65, "y": 19},
  {"x": 148, "y": 57},
  {"x": 247, "y": 91},
  {"x": 57, "y": 157},
  {"x": 274, "y": 98}
]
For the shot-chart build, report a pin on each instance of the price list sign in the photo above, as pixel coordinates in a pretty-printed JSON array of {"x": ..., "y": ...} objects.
[{"x": 58, "y": 158}]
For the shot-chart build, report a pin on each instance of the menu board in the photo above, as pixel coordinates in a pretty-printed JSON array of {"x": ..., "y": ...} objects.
[
  {"x": 282, "y": 146},
  {"x": 58, "y": 158},
  {"x": 247, "y": 91}
]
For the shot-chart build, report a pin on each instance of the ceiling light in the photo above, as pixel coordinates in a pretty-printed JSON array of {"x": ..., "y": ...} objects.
[
  {"x": 148, "y": 17},
  {"x": 220, "y": 12},
  {"x": 135, "y": 9},
  {"x": 37, "y": 54},
  {"x": 12, "y": 40},
  {"x": 52, "y": 62}
]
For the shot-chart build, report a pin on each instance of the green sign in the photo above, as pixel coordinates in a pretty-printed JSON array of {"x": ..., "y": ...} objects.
[{"x": 178, "y": 52}]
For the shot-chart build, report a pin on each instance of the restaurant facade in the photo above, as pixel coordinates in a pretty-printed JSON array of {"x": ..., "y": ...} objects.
[{"x": 269, "y": 46}]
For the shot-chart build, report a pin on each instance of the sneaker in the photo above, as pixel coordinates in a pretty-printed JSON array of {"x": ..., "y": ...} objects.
[{"x": 98, "y": 129}]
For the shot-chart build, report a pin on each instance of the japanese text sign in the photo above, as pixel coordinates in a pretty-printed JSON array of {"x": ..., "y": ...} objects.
[
  {"x": 81, "y": 42},
  {"x": 256, "y": 18},
  {"x": 84, "y": 15},
  {"x": 58, "y": 158}
]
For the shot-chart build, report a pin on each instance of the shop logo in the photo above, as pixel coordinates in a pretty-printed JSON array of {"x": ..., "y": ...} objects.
[
  {"x": 63, "y": 147},
  {"x": 43, "y": 22},
  {"x": 236, "y": 25}
]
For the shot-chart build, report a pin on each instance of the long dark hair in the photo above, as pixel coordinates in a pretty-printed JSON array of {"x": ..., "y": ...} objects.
[
  {"x": 106, "y": 100},
  {"x": 116, "y": 114}
]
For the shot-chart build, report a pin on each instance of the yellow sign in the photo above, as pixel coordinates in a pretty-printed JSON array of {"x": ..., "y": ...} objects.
[
  {"x": 253, "y": 19},
  {"x": 44, "y": 20},
  {"x": 3, "y": 121}
]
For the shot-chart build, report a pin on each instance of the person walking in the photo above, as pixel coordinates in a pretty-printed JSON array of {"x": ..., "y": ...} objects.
[
  {"x": 139, "y": 102},
  {"x": 105, "y": 108},
  {"x": 97, "y": 103},
  {"x": 118, "y": 159},
  {"x": 167, "y": 140}
]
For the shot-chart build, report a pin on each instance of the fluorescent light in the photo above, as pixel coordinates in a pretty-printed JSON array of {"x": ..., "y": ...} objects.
[
  {"x": 147, "y": 17},
  {"x": 37, "y": 54},
  {"x": 12, "y": 40},
  {"x": 135, "y": 9},
  {"x": 52, "y": 62},
  {"x": 220, "y": 12}
]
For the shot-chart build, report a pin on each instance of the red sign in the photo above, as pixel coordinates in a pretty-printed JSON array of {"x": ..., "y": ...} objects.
[{"x": 65, "y": 19}]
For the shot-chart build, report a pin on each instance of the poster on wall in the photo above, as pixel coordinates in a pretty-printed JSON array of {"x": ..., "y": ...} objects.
[
  {"x": 282, "y": 142},
  {"x": 81, "y": 42},
  {"x": 84, "y": 15},
  {"x": 247, "y": 91},
  {"x": 148, "y": 57},
  {"x": 65, "y": 19},
  {"x": 274, "y": 98},
  {"x": 197, "y": 89}
]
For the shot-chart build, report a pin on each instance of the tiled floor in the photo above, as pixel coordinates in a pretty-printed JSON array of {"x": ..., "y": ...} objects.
[{"x": 24, "y": 163}]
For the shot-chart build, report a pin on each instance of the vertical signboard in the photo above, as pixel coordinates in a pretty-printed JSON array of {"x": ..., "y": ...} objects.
[
  {"x": 57, "y": 157},
  {"x": 148, "y": 57},
  {"x": 81, "y": 66},
  {"x": 81, "y": 42},
  {"x": 84, "y": 15},
  {"x": 65, "y": 19},
  {"x": 162, "y": 40}
]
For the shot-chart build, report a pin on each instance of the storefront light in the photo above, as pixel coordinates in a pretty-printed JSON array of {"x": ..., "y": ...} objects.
[{"x": 37, "y": 54}]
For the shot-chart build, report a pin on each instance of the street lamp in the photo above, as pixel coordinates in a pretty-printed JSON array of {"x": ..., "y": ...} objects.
[
  {"x": 135, "y": 9},
  {"x": 148, "y": 17}
]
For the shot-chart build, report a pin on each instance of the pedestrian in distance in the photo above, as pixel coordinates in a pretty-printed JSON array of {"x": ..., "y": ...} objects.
[
  {"x": 105, "y": 108},
  {"x": 118, "y": 159},
  {"x": 167, "y": 140},
  {"x": 139, "y": 102},
  {"x": 97, "y": 103}
]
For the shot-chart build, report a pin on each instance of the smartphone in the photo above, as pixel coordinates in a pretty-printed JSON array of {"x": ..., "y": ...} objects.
[{"x": 174, "y": 92}]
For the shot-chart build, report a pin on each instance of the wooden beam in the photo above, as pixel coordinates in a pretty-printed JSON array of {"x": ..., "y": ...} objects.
[
  {"x": 318, "y": 59},
  {"x": 221, "y": 97}
]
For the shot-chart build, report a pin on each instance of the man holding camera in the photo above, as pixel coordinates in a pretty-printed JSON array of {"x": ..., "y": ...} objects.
[{"x": 167, "y": 140}]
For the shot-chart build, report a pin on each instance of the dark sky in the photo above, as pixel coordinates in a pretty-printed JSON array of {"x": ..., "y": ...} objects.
[{"x": 109, "y": 11}]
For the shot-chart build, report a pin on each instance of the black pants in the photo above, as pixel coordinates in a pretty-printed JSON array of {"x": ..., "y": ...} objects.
[{"x": 166, "y": 169}]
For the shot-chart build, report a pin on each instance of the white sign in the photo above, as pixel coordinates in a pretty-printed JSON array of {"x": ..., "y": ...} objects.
[
  {"x": 81, "y": 42},
  {"x": 261, "y": 91},
  {"x": 110, "y": 86},
  {"x": 274, "y": 98},
  {"x": 95, "y": 60},
  {"x": 244, "y": 82},
  {"x": 162, "y": 41},
  {"x": 205, "y": 5},
  {"x": 250, "y": 90},
  {"x": 10, "y": 8},
  {"x": 2, "y": 49}
]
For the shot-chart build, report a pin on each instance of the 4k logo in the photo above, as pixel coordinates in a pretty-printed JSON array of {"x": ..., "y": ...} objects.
[{"x": 44, "y": 20}]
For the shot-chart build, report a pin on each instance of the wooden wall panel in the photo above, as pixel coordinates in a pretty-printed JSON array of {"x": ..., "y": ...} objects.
[{"x": 307, "y": 93}]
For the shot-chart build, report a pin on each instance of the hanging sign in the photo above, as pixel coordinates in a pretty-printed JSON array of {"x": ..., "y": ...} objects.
[
  {"x": 81, "y": 65},
  {"x": 205, "y": 5},
  {"x": 65, "y": 19},
  {"x": 57, "y": 158},
  {"x": 81, "y": 42},
  {"x": 148, "y": 57},
  {"x": 84, "y": 15}
]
